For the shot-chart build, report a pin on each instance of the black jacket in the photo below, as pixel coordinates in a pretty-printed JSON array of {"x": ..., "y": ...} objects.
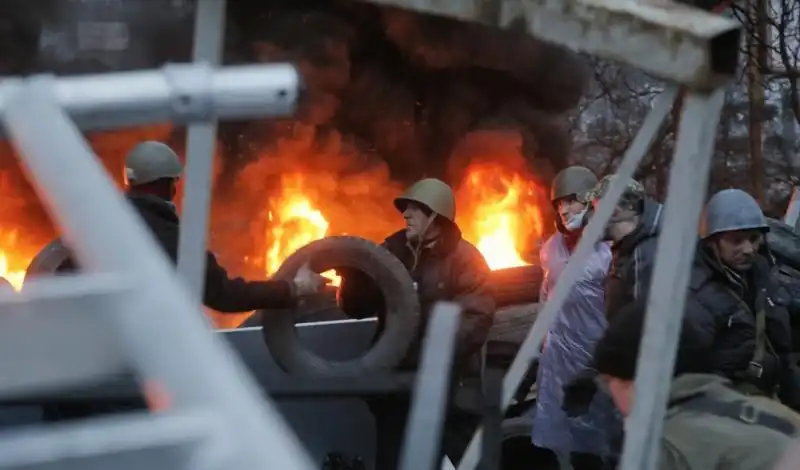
[
  {"x": 633, "y": 259},
  {"x": 222, "y": 293},
  {"x": 450, "y": 269},
  {"x": 721, "y": 306}
]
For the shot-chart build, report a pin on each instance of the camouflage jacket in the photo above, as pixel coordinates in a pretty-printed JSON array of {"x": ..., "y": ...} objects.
[{"x": 710, "y": 425}]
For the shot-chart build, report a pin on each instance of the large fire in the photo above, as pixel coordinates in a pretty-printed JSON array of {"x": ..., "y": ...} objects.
[
  {"x": 499, "y": 210},
  {"x": 495, "y": 212}
]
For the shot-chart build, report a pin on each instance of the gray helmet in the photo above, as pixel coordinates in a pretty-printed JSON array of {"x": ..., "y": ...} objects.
[
  {"x": 150, "y": 161},
  {"x": 435, "y": 194},
  {"x": 730, "y": 210},
  {"x": 572, "y": 181}
]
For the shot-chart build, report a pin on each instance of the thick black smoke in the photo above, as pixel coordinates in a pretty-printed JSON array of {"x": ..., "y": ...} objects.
[
  {"x": 409, "y": 87},
  {"x": 397, "y": 84}
]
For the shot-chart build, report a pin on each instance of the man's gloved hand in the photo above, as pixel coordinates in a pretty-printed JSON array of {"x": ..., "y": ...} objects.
[
  {"x": 307, "y": 282},
  {"x": 578, "y": 393}
]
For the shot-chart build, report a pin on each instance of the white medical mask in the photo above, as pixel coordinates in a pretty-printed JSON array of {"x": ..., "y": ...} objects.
[{"x": 574, "y": 222}]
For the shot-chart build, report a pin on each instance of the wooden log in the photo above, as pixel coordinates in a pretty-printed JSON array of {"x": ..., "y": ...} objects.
[{"x": 515, "y": 286}]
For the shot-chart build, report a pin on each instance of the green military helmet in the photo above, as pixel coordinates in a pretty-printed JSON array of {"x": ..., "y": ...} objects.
[
  {"x": 634, "y": 191},
  {"x": 150, "y": 161},
  {"x": 434, "y": 194},
  {"x": 572, "y": 181}
]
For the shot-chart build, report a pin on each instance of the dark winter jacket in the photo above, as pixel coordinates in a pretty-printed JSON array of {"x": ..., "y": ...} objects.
[
  {"x": 222, "y": 293},
  {"x": 722, "y": 306},
  {"x": 633, "y": 260},
  {"x": 449, "y": 269}
]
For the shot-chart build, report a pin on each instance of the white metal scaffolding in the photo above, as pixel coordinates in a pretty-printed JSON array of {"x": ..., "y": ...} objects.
[{"x": 220, "y": 419}]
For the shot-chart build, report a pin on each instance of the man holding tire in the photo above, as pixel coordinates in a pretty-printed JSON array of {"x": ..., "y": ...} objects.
[
  {"x": 571, "y": 339},
  {"x": 152, "y": 172},
  {"x": 444, "y": 267}
]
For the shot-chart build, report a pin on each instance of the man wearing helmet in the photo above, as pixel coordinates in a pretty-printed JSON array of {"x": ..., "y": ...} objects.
[
  {"x": 633, "y": 232},
  {"x": 707, "y": 424},
  {"x": 571, "y": 339},
  {"x": 443, "y": 266},
  {"x": 735, "y": 304},
  {"x": 152, "y": 171}
]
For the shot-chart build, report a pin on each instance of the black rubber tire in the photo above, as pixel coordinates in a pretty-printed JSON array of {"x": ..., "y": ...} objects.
[
  {"x": 514, "y": 286},
  {"x": 511, "y": 324},
  {"x": 402, "y": 312},
  {"x": 48, "y": 259}
]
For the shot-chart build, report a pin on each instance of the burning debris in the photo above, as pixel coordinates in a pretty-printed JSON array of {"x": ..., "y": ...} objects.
[{"x": 392, "y": 96}]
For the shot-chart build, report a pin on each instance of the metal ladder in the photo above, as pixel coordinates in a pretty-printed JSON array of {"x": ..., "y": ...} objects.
[{"x": 130, "y": 311}]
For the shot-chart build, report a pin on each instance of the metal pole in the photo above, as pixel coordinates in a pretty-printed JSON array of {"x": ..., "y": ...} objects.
[
  {"x": 174, "y": 440},
  {"x": 162, "y": 327},
  {"x": 492, "y": 440},
  {"x": 688, "y": 183},
  {"x": 209, "y": 38},
  {"x": 529, "y": 350},
  {"x": 179, "y": 93},
  {"x": 422, "y": 440}
]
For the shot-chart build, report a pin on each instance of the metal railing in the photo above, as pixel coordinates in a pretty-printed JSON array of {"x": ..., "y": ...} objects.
[{"x": 220, "y": 417}]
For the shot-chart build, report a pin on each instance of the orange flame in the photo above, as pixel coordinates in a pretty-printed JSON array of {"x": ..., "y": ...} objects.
[
  {"x": 499, "y": 214},
  {"x": 294, "y": 222}
]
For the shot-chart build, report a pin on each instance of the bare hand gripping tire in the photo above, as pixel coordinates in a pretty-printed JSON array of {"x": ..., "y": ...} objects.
[
  {"x": 48, "y": 259},
  {"x": 402, "y": 312}
]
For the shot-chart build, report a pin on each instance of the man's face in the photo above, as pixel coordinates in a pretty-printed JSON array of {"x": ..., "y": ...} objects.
[
  {"x": 417, "y": 222},
  {"x": 570, "y": 211},
  {"x": 611, "y": 232},
  {"x": 738, "y": 249},
  {"x": 622, "y": 222}
]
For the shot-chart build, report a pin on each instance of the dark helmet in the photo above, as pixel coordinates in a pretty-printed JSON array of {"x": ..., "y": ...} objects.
[
  {"x": 730, "y": 210},
  {"x": 572, "y": 181},
  {"x": 434, "y": 194}
]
